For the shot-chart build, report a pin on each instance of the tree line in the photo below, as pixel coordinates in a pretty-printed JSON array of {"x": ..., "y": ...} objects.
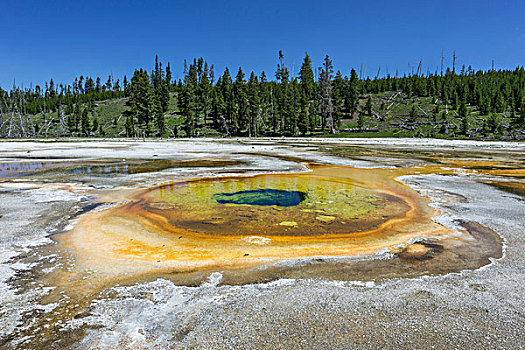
[{"x": 315, "y": 101}]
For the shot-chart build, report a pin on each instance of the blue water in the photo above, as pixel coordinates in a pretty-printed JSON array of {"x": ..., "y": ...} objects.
[{"x": 264, "y": 197}]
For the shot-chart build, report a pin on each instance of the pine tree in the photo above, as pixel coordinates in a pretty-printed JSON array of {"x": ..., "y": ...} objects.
[
  {"x": 204, "y": 88},
  {"x": 188, "y": 99},
  {"x": 143, "y": 102},
  {"x": 85, "y": 122},
  {"x": 463, "y": 113},
  {"x": 253, "y": 105},
  {"x": 494, "y": 123},
  {"x": 130, "y": 127},
  {"x": 352, "y": 97},
  {"x": 455, "y": 101},
  {"x": 303, "y": 114},
  {"x": 240, "y": 118},
  {"x": 326, "y": 102},
  {"x": 361, "y": 121},
  {"x": 168, "y": 76},
  {"x": 338, "y": 92},
  {"x": 126, "y": 86},
  {"x": 519, "y": 122},
  {"x": 484, "y": 105},
  {"x": 369, "y": 106},
  {"x": 413, "y": 115},
  {"x": 306, "y": 76},
  {"x": 94, "y": 128},
  {"x": 280, "y": 116},
  {"x": 160, "y": 87},
  {"x": 71, "y": 123}
]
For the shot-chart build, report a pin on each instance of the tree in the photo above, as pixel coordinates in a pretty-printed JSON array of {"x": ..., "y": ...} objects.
[
  {"x": 253, "y": 105},
  {"x": 203, "y": 89},
  {"x": 282, "y": 96},
  {"x": 463, "y": 114},
  {"x": 413, "y": 115},
  {"x": 307, "y": 84},
  {"x": 168, "y": 76},
  {"x": 94, "y": 128},
  {"x": 240, "y": 102},
  {"x": 352, "y": 95},
  {"x": 130, "y": 127},
  {"x": 369, "y": 106},
  {"x": 494, "y": 123},
  {"x": 71, "y": 123},
  {"x": 160, "y": 86},
  {"x": 187, "y": 99},
  {"x": 143, "y": 103},
  {"x": 326, "y": 102},
  {"x": 361, "y": 121},
  {"x": 338, "y": 92},
  {"x": 303, "y": 114},
  {"x": 126, "y": 86},
  {"x": 85, "y": 122}
]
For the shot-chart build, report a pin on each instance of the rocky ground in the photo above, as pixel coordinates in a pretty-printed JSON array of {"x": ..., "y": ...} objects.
[{"x": 482, "y": 308}]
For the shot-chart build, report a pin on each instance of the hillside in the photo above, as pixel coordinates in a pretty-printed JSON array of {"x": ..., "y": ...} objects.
[{"x": 468, "y": 104}]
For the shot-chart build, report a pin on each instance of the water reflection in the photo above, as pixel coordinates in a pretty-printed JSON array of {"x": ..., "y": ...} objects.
[
  {"x": 130, "y": 167},
  {"x": 9, "y": 170},
  {"x": 107, "y": 169}
]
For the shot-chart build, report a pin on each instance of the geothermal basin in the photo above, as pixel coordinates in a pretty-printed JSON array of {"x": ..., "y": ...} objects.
[{"x": 152, "y": 244}]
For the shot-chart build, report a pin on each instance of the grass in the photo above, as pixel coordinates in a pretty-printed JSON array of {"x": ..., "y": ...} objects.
[{"x": 390, "y": 117}]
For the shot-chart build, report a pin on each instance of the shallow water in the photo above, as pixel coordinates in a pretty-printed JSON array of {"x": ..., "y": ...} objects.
[
  {"x": 129, "y": 167},
  {"x": 326, "y": 201},
  {"x": 17, "y": 169}
]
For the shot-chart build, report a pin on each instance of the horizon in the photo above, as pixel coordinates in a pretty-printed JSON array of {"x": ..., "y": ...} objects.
[{"x": 370, "y": 38}]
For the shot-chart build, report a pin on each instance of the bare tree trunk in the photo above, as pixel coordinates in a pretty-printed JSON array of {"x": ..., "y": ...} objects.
[{"x": 61, "y": 130}]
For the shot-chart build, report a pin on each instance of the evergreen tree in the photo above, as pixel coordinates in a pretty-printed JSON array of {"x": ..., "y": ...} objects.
[
  {"x": 71, "y": 123},
  {"x": 352, "y": 96},
  {"x": 85, "y": 122},
  {"x": 253, "y": 105},
  {"x": 413, "y": 114},
  {"x": 306, "y": 76},
  {"x": 303, "y": 114},
  {"x": 168, "y": 76},
  {"x": 130, "y": 127},
  {"x": 160, "y": 87},
  {"x": 188, "y": 99},
  {"x": 361, "y": 121},
  {"x": 95, "y": 124},
  {"x": 143, "y": 102},
  {"x": 369, "y": 106},
  {"x": 326, "y": 102},
  {"x": 204, "y": 88},
  {"x": 338, "y": 92},
  {"x": 282, "y": 100},
  {"x": 240, "y": 117},
  {"x": 126, "y": 86},
  {"x": 463, "y": 114}
]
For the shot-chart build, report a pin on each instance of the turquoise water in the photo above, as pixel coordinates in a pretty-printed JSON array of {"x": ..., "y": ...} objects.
[{"x": 263, "y": 197}]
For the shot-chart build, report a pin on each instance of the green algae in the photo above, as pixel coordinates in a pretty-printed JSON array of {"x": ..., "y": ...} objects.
[{"x": 258, "y": 205}]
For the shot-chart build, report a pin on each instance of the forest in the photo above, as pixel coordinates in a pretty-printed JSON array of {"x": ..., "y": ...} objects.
[{"x": 449, "y": 103}]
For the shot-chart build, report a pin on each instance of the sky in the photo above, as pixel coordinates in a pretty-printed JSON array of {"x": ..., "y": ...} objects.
[{"x": 60, "y": 39}]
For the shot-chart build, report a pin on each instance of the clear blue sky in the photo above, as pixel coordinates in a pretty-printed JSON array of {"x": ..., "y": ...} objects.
[{"x": 62, "y": 39}]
